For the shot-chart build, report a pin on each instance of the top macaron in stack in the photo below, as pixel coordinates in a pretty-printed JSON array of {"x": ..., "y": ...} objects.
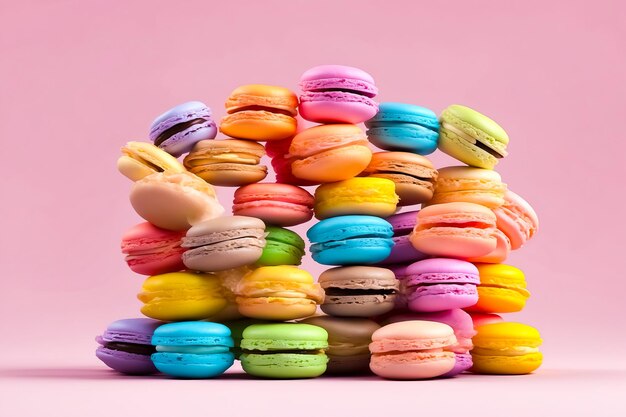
[{"x": 415, "y": 266}]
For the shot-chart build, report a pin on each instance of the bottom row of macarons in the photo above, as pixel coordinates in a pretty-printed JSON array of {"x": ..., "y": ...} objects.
[{"x": 405, "y": 349}]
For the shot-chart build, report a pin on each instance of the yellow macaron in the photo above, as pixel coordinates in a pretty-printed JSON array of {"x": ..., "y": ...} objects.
[
  {"x": 181, "y": 296},
  {"x": 506, "y": 349},
  {"x": 140, "y": 159},
  {"x": 278, "y": 293},
  {"x": 368, "y": 195},
  {"x": 502, "y": 289}
]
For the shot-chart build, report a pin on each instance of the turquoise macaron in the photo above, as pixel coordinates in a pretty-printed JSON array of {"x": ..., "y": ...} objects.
[
  {"x": 404, "y": 127},
  {"x": 351, "y": 240},
  {"x": 193, "y": 349}
]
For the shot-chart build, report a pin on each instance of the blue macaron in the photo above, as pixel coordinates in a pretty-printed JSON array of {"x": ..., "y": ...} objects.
[
  {"x": 404, "y": 127},
  {"x": 350, "y": 240},
  {"x": 193, "y": 349}
]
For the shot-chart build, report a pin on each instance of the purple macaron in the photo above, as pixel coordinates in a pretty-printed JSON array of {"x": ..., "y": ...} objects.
[
  {"x": 402, "y": 250},
  {"x": 126, "y": 346},
  {"x": 337, "y": 94},
  {"x": 463, "y": 326},
  {"x": 441, "y": 284},
  {"x": 178, "y": 129}
]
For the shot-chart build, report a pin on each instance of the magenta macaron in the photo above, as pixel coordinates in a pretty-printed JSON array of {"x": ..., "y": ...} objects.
[
  {"x": 441, "y": 284},
  {"x": 151, "y": 250},
  {"x": 337, "y": 94}
]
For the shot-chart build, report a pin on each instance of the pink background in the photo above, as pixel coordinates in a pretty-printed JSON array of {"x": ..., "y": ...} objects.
[{"x": 80, "y": 78}]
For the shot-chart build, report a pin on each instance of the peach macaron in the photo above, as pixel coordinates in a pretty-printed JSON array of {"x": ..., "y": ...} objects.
[
  {"x": 455, "y": 230},
  {"x": 329, "y": 153}
]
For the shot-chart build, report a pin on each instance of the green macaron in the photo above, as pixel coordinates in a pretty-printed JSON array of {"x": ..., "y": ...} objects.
[
  {"x": 284, "y": 350},
  {"x": 282, "y": 247}
]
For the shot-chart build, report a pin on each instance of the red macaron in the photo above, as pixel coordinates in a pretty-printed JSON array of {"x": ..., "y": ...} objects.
[{"x": 151, "y": 250}]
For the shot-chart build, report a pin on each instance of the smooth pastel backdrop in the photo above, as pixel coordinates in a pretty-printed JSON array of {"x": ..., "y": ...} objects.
[{"x": 80, "y": 78}]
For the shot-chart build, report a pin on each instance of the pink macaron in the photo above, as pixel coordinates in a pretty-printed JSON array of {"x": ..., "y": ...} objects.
[
  {"x": 337, "y": 94},
  {"x": 412, "y": 350},
  {"x": 275, "y": 204},
  {"x": 517, "y": 219},
  {"x": 455, "y": 230},
  {"x": 441, "y": 284},
  {"x": 480, "y": 319},
  {"x": 499, "y": 254},
  {"x": 461, "y": 323},
  {"x": 151, "y": 250}
]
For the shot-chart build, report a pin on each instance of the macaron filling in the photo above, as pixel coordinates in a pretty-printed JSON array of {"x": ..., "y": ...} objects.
[
  {"x": 134, "y": 348},
  {"x": 263, "y": 108},
  {"x": 178, "y": 128}
]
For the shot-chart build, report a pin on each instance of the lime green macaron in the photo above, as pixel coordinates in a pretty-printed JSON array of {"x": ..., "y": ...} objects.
[
  {"x": 282, "y": 247},
  {"x": 284, "y": 350},
  {"x": 472, "y": 137}
]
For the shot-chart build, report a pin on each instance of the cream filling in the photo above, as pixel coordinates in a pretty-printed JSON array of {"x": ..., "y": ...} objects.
[{"x": 510, "y": 351}]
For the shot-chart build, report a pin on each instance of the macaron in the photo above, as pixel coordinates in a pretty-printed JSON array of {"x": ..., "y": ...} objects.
[
  {"x": 140, "y": 159},
  {"x": 516, "y": 219},
  {"x": 284, "y": 350},
  {"x": 506, "y": 349},
  {"x": 151, "y": 250},
  {"x": 278, "y": 293},
  {"x": 348, "y": 341},
  {"x": 179, "y": 296},
  {"x": 499, "y": 254},
  {"x": 224, "y": 243},
  {"x": 470, "y": 185},
  {"x": 125, "y": 346},
  {"x": 404, "y": 127},
  {"x": 413, "y": 175},
  {"x": 462, "y": 325},
  {"x": 278, "y": 151},
  {"x": 350, "y": 240},
  {"x": 337, "y": 94},
  {"x": 193, "y": 349},
  {"x": 412, "y": 350},
  {"x": 282, "y": 247},
  {"x": 178, "y": 129},
  {"x": 229, "y": 162},
  {"x": 174, "y": 200},
  {"x": 455, "y": 230},
  {"x": 502, "y": 289},
  {"x": 438, "y": 284},
  {"x": 260, "y": 112},
  {"x": 370, "y": 196},
  {"x": 472, "y": 137},
  {"x": 358, "y": 291},
  {"x": 275, "y": 204},
  {"x": 480, "y": 319},
  {"x": 403, "y": 250},
  {"x": 229, "y": 280},
  {"x": 329, "y": 153},
  {"x": 236, "y": 331}
]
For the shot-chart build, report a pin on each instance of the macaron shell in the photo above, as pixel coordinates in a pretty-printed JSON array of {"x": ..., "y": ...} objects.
[
  {"x": 336, "y": 107},
  {"x": 369, "y": 305},
  {"x": 259, "y": 125},
  {"x": 403, "y": 251},
  {"x": 340, "y": 77},
  {"x": 404, "y": 137},
  {"x": 368, "y": 196},
  {"x": 188, "y": 365},
  {"x": 126, "y": 363},
  {"x": 224, "y": 255},
  {"x": 182, "y": 142},
  {"x": 502, "y": 289},
  {"x": 517, "y": 219},
  {"x": 412, "y": 365},
  {"x": 261, "y": 95},
  {"x": 174, "y": 201},
  {"x": 275, "y": 204},
  {"x": 276, "y": 308},
  {"x": 333, "y": 165},
  {"x": 462, "y": 363},
  {"x": 506, "y": 365},
  {"x": 282, "y": 247},
  {"x": 284, "y": 365},
  {"x": 455, "y": 146},
  {"x": 140, "y": 159},
  {"x": 440, "y": 297},
  {"x": 355, "y": 251},
  {"x": 454, "y": 242},
  {"x": 471, "y": 185},
  {"x": 499, "y": 254}
]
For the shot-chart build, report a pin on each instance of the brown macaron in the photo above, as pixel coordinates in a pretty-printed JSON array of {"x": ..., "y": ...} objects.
[
  {"x": 348, "y": 341},
  {"x": 224, "y": 243},
  {"x": 414, "y": 175},
  {"x": 358, "y": 291},
  {"x": 230, "y": 162}
]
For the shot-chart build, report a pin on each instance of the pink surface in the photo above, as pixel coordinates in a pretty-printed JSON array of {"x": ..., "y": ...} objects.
[{"x": 79, "y": 79}]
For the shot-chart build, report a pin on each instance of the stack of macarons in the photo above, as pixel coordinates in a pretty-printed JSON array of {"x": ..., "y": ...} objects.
[{"x": 409, "y": 292}]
